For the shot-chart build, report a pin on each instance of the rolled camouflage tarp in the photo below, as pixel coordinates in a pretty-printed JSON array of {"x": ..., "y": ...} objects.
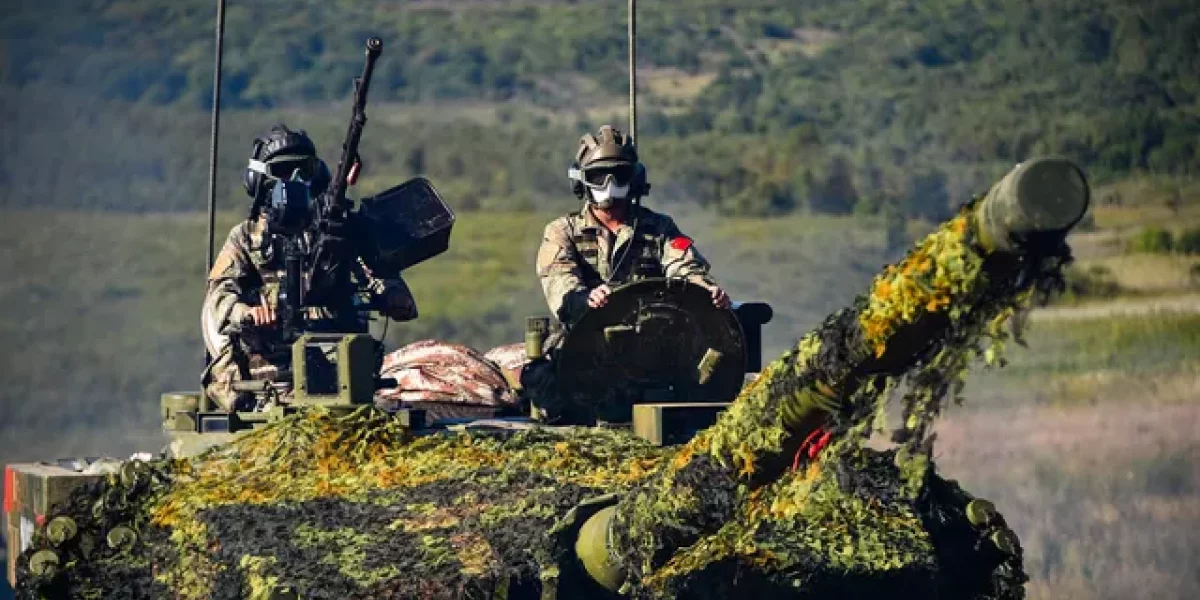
[
  {"x": 446, "y": 380},
  {"x": 356, "y": 506}
]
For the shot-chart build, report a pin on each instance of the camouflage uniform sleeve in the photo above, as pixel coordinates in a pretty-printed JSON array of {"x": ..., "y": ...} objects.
[
  {"x": 231, "y": 276},
  {"x": 558, "y": 269},
  {"x": 680, "y": 258}
]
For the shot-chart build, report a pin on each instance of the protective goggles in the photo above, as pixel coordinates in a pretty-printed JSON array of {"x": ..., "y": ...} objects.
[
  {"x": 598, "y": 177},
  {"x": 284, "y": 167}
]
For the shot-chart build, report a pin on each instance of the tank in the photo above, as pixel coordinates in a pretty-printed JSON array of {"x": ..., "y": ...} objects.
[{"x": 722, "y": 484}]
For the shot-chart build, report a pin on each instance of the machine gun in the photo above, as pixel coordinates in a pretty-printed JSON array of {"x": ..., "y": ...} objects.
[
  {"x": 313, "y": 234},
  {"x": 329, "y": 248},
  {"x": 334, "y": 257},
  {"x": 331, "y": 252}
]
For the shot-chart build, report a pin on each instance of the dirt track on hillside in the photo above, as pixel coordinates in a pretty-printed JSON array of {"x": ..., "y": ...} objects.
[{"x": 1175, "y": 304}]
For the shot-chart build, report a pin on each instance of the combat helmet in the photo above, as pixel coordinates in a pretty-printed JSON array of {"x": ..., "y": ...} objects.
[
  {"x": 607, "y": 162},
  {"x": 278, "y": 155}
]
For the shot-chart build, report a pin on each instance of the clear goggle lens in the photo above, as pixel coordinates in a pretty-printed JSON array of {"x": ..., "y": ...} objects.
[
  {"x": 598, "y": 177},
  {"x": 284, "y": 168}
]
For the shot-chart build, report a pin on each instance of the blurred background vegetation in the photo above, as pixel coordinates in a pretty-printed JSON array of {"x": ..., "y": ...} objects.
[
  {"x": 803, "y": 143},
  {"x": 753, "y": 108}
]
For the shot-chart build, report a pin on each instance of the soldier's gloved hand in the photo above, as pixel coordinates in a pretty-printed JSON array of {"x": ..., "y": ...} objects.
[
  {"x": 599, "y": 296},
  {"x": 262, "y": 315},
  {"x": 719, "y": 297}
]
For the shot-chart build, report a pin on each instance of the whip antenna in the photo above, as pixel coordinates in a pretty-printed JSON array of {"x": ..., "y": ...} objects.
[
  {"x": 633, "y": 71},
  {"x": 216, "y": 124},
  {"x": 212, "y": 149}
]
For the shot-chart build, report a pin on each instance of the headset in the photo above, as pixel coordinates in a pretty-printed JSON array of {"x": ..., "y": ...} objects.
[{"x": 281, "y": 141}]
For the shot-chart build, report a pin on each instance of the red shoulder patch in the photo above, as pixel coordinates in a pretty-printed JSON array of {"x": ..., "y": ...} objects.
[{"x": 681, "y": 243}]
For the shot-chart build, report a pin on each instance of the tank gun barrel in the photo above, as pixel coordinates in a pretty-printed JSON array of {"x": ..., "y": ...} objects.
[
  {"x": 971, "y": 271},
  {"x": 1038, "y": 199}
]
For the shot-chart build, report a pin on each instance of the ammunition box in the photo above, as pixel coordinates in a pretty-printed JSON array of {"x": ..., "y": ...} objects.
[{"x": 406, "y": 225}]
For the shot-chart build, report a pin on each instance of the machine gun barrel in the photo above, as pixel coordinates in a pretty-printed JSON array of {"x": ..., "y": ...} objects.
[
  {"x": 334, "y": 250},
  {"x": 349, "y": 158},
  {"x": 1024, "y": 217}
]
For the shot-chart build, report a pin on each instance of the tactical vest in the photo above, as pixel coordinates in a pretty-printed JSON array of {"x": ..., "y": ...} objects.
[{"x": 640, "y": 259}]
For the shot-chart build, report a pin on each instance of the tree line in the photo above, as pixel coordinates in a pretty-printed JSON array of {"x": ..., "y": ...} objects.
[{"x": 873, "y": 107}]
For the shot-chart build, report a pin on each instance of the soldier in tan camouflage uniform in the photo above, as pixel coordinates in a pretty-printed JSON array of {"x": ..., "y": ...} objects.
[
  {"x": 613, "y": 239},
  {"x": 239, "y": 316}
]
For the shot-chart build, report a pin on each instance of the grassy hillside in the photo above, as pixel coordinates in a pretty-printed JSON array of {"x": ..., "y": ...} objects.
[{"x": 752, "y": 108}]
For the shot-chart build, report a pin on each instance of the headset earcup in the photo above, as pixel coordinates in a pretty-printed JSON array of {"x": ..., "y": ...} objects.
[
  {"x": 252, "y": 180},
  {"x": 641, "y": 185},
  {"x": 321, "y": 178}
]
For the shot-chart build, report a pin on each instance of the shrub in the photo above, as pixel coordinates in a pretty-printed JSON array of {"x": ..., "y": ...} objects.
[
  {"x": 1152, "y": 240},
  {"x": 1188, "y": 241},
  {"x": 1096, "y": 281}
]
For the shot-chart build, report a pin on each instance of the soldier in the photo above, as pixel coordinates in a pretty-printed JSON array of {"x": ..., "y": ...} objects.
[
  {"x": 239, "y": 317},
  {"x": 613, "y": 239}
]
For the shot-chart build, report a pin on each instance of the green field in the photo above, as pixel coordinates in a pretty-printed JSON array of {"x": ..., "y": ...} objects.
[{"x": 1088, "y": 442}]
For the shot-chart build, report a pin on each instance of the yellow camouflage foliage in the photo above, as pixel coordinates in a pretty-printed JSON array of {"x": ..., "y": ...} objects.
[{"x": 937, "y": 274}]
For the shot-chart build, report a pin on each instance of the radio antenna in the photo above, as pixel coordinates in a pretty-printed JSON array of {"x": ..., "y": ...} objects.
[
  {"x": 216, "y": 125},
  {"x": 633, "y": 72},
  {"x": 212, "y": 149}
]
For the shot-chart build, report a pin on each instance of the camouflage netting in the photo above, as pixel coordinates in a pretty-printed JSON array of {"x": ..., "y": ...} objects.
[
  {"x": 351, "y": 507},
  {"x": 948, "y": 296},
  {"x": 355, "y": 507}
]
